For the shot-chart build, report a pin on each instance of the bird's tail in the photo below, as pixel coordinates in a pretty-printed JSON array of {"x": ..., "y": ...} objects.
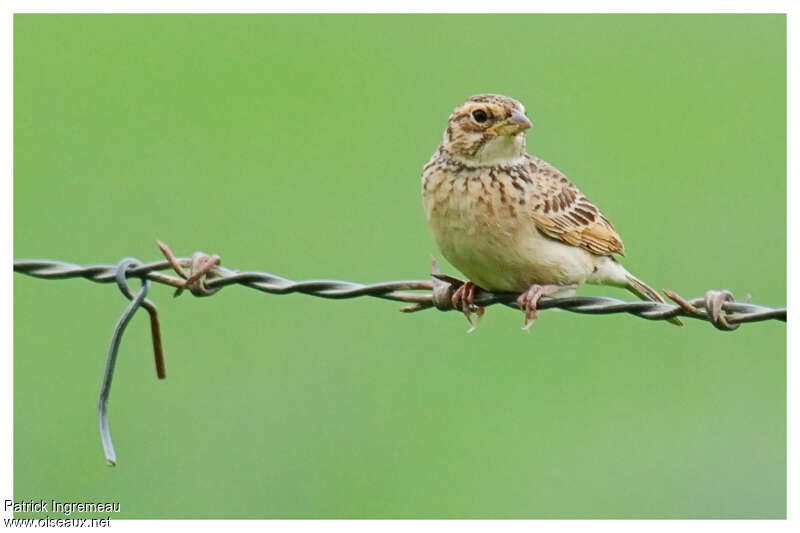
[{"x": 645, "y": 292}]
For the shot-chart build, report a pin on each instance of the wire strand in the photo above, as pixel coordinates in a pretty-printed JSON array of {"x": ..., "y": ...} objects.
[{"x": 219, "y": 277}]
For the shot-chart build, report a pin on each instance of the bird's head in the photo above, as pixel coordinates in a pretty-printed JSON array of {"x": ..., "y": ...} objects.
[{"x": 486, "y": 130}]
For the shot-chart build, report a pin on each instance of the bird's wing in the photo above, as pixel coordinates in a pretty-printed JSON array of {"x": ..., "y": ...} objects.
[{"x": 561, "y": 212}]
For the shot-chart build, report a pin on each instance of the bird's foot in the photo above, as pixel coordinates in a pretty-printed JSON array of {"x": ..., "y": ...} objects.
[
  {"x": 528, "y": 301},
  {"x": 464, "y": 298}
]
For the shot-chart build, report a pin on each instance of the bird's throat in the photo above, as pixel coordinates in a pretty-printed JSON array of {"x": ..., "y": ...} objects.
[{"x": 501, "y": 150}]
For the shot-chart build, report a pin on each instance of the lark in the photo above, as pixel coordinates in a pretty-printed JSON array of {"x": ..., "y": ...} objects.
[{"x": 510, "y": 221}]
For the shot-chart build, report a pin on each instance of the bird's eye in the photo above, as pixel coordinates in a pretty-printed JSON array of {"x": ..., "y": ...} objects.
[{"x": 480, "y": 115}]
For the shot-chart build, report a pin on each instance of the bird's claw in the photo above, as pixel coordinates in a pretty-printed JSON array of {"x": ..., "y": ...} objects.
[
  {"x": 464, "y": 298},
  {"x": 528, "y": 301}
]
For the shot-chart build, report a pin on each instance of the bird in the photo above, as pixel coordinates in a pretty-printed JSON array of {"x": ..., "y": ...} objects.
[{"x": 511, "y": 222}]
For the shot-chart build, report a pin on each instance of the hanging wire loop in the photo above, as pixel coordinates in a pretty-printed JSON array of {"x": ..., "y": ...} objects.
[{"x": 136, "y": 300}]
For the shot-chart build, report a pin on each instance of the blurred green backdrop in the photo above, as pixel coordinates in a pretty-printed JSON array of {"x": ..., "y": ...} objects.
[{"x": 294, "y": 144}]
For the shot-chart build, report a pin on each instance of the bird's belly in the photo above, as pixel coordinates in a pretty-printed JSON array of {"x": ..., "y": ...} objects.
[{"x": 501, "y": 251}]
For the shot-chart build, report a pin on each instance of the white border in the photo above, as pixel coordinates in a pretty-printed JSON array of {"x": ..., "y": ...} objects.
[
  {"x": 6, "y": 290},
  {"x": 410, "y": 6},
  {"x": 6, "y": 374},
  {"x": 791, "y": 282}
]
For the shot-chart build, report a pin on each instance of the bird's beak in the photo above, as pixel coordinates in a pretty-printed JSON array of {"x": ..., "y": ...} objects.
[{"x": 513, "y": 125}]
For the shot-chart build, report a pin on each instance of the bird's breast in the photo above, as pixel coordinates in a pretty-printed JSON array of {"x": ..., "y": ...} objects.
[{"x": 480, "y": 218}]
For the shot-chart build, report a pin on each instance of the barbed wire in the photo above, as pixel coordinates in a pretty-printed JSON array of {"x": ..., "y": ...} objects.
[
  {"x": 438, "y": 290},
  {"x": 203, "y": 275}
]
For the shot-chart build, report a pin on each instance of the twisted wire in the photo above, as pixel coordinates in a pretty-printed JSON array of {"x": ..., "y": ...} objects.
[{"x": 219, "y": 277}]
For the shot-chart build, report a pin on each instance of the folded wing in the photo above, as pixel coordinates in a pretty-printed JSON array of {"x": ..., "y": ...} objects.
[{"x": 561, "y": 212}]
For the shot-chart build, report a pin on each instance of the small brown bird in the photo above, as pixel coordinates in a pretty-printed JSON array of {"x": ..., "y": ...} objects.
[{"x": 510, "y": 221}]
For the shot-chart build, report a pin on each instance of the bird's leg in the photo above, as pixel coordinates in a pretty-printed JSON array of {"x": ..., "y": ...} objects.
[
  {"x": 464, "y": 298},
  {"x": 529, "y": 300}
]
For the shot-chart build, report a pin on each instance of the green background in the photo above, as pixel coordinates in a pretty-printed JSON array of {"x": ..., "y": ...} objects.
[{"x": 294, "y": 145}]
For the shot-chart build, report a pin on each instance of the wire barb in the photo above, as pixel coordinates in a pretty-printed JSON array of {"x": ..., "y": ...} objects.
[{"x": 201, "y": 265}]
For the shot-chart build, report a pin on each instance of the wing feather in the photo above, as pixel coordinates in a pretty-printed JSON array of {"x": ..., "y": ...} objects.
[{"x": 561, "y": 212}]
